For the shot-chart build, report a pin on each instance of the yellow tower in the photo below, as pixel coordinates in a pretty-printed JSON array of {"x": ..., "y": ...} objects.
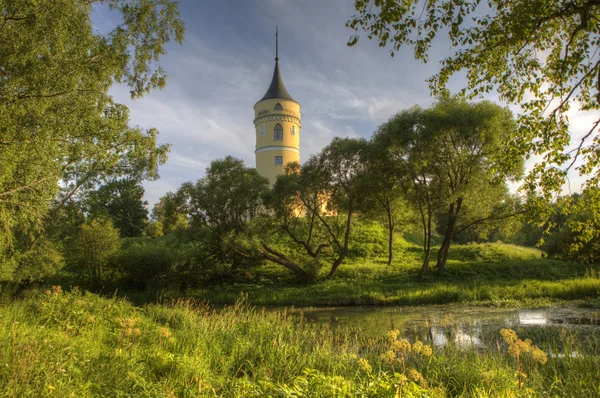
[{"x": 277, "y": 123}]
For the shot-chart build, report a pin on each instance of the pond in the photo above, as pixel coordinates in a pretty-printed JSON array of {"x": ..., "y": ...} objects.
[{"x": 468, "y": 326}]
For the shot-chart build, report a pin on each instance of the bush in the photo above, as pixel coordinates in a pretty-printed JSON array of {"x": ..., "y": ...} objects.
[
  {"x": 92, "y": 252},
  {"x": 160, "y": 263},
  {"x": 147, "y": 264}
]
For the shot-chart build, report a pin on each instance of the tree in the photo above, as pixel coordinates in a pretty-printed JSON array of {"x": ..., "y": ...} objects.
[
  {"x": 496, "y": 215},
  {"x": 60, "y": 130},
  {"x": 538, "y": 54},
  {"x": 170, "y": 212},
  {"x": 229, "y": 201},
  {"x": 92, "y": 250},
  {"x": 154, "y": 229},
  {"x": 383, "y": 192},
  {"x": 568, "y": 235},
  {"x": 405, "y": 151},
  {"x": 448, "y": 154},
  {"x": 316, "y": 203},
  {"x": 121, "y": 202}
]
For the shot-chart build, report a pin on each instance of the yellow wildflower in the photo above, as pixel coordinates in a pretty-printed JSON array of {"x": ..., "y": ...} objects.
[
  {"x": 388, "y": 356},
  {"x": 509, "y": 336},
  {"x": 417, "y": 377},
  {"x": 427, "y": 351},
  {"x": 401, "y": 346},
  {"x": 164, "y": 333},
  {"x": 364, "y": 364},
  {"x": 417, "y": 347},
  {"x": 488, "y": 376},
  {"x": 392, "y": 335},
  {"x": 538, "y": 355}
]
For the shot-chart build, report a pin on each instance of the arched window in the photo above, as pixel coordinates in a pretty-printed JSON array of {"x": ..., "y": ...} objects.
[
  {"x": 262, "y": 130},
  {"x": 293, "y": 130},
  {"x": 278, "y": 107},
  {"x": 278, "y": 132}
]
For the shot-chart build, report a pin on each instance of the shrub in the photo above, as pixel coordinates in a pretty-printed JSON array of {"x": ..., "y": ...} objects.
[
  {"x": 91, "y": 253},
  {"x": 147, "y": 264}
]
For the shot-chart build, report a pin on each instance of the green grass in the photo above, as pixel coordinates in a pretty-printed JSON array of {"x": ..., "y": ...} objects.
[
  {"x": 73, "y": 344},
  {"x": 499, "y": 275}
]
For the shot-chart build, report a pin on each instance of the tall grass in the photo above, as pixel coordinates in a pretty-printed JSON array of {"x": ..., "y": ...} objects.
[{"x": 74, "y": 344}]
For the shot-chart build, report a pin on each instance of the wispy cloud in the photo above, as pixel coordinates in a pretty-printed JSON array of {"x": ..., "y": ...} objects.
[{"x": 226, "y": 63}]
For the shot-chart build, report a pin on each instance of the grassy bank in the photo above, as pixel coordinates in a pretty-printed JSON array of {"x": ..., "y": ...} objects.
[
  {"x": 491, "y": 274},
  {"x": 73, "y": 344}
]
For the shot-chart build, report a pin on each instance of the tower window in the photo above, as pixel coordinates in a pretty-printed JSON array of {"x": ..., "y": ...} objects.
[
  {"x": 278, "y": 107},
  {"x": 278, "y": 160},
  {"x": 262, "y": 130},
  {"x": 278, "y": 132},
  {"x": 293, "y": 130}
]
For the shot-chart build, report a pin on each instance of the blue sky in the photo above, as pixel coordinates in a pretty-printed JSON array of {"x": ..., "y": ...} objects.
[{"x": 226, "y": 63}]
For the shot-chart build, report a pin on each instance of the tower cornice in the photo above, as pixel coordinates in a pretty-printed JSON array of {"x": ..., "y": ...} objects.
[{"x": 277, "y": 118}]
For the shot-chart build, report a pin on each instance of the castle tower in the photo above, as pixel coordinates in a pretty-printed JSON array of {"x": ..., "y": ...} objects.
[{"x": 277, "y": 123}]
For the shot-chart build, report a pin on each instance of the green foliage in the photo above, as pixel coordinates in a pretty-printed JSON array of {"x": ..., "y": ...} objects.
[
  {"x": 573, "y": 231},
  {"x": 226, "y": 197},
  {"x": 61, "y": 130},
  {"x": 503, "y": 214},
  {"x": 121, "y": 201},
  {"x": 384, "y": 195},
  {"x": 536, "y": 54},
  {"x": 222, "y": 207},
  {"x": 170, "y": 212},
  {"x": 483, "y": 274},
  {"x": 42, "y": 261},
  {"x": 326, "y": 192},
  {"x": 539, "y": 55},
  {"x": 146, "y": 265},
  {"x": 448, "y": 156},
  {"x": 154, "y": 229},
  {"x": 68, "y": 343},
  {"x": 92, "y": 252}
]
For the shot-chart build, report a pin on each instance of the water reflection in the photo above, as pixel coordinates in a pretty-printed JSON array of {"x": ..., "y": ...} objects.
[{"x": 463, "y": 326}]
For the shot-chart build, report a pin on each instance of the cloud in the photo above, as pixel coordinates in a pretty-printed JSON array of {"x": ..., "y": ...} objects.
[{"x": 226, "y": 63}]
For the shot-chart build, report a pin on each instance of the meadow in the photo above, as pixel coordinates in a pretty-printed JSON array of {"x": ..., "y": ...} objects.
[
  {"x": 224, "y": 340},
  {"x": 489, "y": 274},
  {"x": 80, "y": 344}
]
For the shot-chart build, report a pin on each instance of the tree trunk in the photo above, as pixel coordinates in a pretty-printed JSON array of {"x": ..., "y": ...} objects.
[
  {"x": 390, "y": 236},
  {"x": 443, "y": 254},
  {"x": 279, "y": 258},
  {"x": 445, "y": 241},
  {"x": 344, "y": 252},
  {"x": 427, "y": 241}
]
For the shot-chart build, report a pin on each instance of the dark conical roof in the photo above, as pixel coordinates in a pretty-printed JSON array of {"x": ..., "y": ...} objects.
[{"x": 277, "y": 89}]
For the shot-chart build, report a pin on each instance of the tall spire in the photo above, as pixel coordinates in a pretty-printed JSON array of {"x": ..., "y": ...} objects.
[
  {"x": 276, "y": 43},
  {"x": 277, "y": 89}
]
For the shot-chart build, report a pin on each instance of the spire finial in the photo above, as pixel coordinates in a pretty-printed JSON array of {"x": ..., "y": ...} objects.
[{"x": 276, "y": 43}]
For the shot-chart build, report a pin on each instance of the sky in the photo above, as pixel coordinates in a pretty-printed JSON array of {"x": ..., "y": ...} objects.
[{"x": 225, "y": 66}]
